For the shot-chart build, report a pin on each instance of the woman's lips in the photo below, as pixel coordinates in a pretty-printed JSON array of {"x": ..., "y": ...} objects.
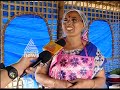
[{"x": 70, "y": 29}]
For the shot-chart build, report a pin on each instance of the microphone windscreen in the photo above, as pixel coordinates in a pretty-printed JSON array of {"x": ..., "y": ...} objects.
[
  {"x": 44, "y": 56},
  {"x": 61, "y": 42}
]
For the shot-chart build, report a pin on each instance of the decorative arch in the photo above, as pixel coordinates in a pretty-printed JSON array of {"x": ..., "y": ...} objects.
[{"x": 20, "y": 38}]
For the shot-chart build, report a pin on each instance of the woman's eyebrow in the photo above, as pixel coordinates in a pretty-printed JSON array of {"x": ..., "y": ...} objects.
[
  {"x": 74, "y": 17},
  {"x": 65, "y": 18}
]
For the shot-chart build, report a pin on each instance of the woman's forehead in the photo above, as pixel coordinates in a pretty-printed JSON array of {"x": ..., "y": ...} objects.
[{"x": 72, "y": 14}]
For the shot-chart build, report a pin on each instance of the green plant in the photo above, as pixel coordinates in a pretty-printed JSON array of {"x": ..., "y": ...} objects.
[{"x": 115, "y": 71}]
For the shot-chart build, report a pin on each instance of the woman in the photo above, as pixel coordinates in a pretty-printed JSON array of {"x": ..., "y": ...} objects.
[{"x": 79, "y": 64}]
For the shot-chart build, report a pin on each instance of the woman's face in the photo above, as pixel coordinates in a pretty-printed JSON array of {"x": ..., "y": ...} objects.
[{"x": 72, "y": 24}]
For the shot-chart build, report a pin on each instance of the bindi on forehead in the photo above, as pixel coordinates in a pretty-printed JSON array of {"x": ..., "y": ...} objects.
[
  {"x": 72, "y": 14},
  {"x": 73, "y": 17}
]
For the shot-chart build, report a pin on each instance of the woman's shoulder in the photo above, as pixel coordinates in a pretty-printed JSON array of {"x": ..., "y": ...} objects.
[
  {"x": 91, "y": 48},
  {"x": 90, "y": 44}
]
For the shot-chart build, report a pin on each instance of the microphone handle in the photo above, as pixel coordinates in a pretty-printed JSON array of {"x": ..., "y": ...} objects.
[
  {"x": 24, "y": 73},
  {"x": 32, "y": 65}
]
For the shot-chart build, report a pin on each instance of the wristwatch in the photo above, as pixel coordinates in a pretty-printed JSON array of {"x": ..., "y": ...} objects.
[
  {"x": 12, "y": 72},
  {"x": 2, "y": 66}
]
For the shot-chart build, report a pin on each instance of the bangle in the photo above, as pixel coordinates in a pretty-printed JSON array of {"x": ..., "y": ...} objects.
[{"x": 93, "y": 84}]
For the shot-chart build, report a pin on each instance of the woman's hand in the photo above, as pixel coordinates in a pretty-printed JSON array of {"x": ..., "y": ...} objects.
[
  {"x": 62, "y": 84},
  {"x": 82, "y": 83},
  {"x": 41, "y": 68},
  {"x": 30, "y": 70},
  {"x": 42, "y": 77}
]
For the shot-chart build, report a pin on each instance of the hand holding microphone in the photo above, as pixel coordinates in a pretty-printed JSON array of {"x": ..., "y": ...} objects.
[
  {"x": 43, "y": 57},
  {"x": 51, "y": 49}
]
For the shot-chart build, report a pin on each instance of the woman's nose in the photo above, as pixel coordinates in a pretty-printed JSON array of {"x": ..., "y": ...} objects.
[{"x": 69, "y": 22}]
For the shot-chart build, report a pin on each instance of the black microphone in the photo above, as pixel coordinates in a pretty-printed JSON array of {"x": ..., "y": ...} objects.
[
  {"x": 61, "y": 42},
  {"x": 43, "y": 57},
  {"x": 50, "y": 49}
]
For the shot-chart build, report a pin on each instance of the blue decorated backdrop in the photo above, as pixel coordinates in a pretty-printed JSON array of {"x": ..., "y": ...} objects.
[
  {"x": 18, "y": 34},
  {"x": 100, "y": 35},
  {"x": 21, "y": 32}
]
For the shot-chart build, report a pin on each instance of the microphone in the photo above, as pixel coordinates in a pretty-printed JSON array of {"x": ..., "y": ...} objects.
[
  {"x": 49, "y": 50},
  {"x": 43, "y": 57}
]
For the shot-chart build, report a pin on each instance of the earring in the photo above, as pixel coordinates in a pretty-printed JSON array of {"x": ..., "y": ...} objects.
[
  {"x": 83, "y": 30},
  {"x": 63, "y": 34}
]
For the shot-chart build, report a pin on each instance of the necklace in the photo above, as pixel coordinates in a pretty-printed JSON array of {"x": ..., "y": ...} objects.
[{"x": 74, "y": 51}]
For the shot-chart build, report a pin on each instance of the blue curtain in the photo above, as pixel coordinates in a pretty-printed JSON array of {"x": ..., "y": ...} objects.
[
  {"x": 18, "y": 34},
  {"x": 100, "y": 35}
]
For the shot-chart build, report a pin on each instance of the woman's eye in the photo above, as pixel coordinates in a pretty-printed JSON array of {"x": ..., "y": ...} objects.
[
  {"x": 74, "y": 20},
  {"x": 65, "y": 20}
]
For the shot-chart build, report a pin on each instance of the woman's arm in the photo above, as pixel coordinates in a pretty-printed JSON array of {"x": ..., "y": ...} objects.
[
  {"x": 100, "y": 79},
  {"x": 47, "y": 81},
  {"x": 98, "y": 82}
]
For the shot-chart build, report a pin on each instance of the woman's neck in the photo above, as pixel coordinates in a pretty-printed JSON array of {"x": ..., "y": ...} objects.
[{"x": 73, "y": 43}]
